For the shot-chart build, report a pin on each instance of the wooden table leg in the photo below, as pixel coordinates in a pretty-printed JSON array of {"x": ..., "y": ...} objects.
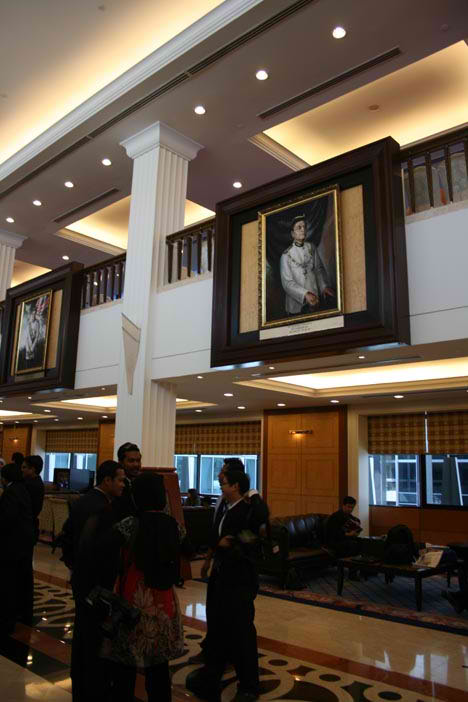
[
  {"x": 418, "y": 592},
  {"x": 339, "y": 588}
]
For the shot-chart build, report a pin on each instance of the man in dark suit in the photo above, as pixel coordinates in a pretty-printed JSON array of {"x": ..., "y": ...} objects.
[
  {"x": 17, "y": 529},
  {"x": 32, "y": 469},
  {"x": 90, "y": 515},
  {"x": 233, "y": 584},
  {"x": 129, "y": 457}
]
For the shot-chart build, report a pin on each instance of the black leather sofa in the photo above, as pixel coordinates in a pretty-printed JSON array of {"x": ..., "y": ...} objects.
[{"x": 297, "y": 542}]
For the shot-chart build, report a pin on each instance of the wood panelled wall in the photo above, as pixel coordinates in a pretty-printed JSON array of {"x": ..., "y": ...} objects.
[
  {"x": 106, "y": 436},
  {"x": 305, "y": 472},
  {"x": 435, "y": 526},
  {"x": 16, "y": 438}
]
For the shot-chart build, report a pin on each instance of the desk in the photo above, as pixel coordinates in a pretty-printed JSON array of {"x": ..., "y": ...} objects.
[{"x": 418, "y": 573}]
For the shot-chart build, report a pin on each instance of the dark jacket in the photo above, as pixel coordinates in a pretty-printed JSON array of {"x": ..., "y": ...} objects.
[
  {"x": 234, "y": 567},
  {"x": 35, "y": 488},
  {"x": 16, "y": 521},
  {"x": 124, "y": 506},
  {"x": 335, "y": 529},
  {"x": 90, "y": 516}
]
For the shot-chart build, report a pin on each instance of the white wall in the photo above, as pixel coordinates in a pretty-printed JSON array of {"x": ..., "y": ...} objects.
[
  {"x": 99, "y": 342},
  {"x": 437, "y": 248}
]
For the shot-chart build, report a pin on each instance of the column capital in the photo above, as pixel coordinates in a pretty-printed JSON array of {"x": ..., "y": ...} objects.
[
  {"x": 11, "y": 239},
  {"x": 160, "y": 134}
]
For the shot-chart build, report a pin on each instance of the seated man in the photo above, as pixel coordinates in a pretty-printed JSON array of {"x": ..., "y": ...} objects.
[
  {"x": 341, "y": 533},
  {"x": 192, "y": 499}
]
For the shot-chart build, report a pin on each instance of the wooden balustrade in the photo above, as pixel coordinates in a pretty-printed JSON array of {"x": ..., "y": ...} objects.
[
  {"x": 103, "y": 282},
  {"x": 435, "y": 172},
  {"x": 190, "y": 251}
]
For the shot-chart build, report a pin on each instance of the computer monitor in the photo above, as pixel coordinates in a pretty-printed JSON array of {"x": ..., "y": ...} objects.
[
  {"x": 62, "y": 478},
  {"x": 80, "y": 479}
]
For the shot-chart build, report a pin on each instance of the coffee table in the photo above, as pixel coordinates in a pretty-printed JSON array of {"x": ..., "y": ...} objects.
[{"x": 418, "y": 573}]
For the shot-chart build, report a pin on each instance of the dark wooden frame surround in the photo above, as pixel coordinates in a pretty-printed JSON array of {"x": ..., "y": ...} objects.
[
  {"x": 68, "y": 279},
  {"x": 386, "y": 321}
]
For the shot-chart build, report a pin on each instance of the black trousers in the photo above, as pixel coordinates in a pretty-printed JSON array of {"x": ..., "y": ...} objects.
[
  {"x": 91, "y": 676},
  {"x": 16, "y": 591},
  {"x": 157, "y": 683},
  {"x": 232, "y": 637}
]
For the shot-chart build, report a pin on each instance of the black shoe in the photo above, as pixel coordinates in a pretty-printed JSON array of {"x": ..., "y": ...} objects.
[
  {"x": 197, "y": 682},
  {"x": 455, "y": 600}
]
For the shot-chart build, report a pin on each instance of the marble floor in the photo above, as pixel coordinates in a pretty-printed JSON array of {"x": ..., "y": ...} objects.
[{"x": 306, "y": 652}]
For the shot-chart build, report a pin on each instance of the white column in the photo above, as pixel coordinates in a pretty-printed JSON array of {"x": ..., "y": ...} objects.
[
  {"x": 358, "y": 465},
  {"x": 8, "y": 244},
  {"x": 146, "y": 412}
]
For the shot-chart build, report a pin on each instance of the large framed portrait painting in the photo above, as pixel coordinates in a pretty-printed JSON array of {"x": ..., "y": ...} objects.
[
  {"x": 300, "y": 259},
  {"x": 33, "y": 333}
]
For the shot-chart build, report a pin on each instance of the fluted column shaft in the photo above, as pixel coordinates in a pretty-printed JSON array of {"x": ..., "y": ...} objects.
[
  {"x": 8, "y": 244},
  {"x": 159, "y": 186}
]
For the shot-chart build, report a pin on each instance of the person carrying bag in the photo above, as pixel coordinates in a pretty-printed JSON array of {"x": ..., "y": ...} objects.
[{"x": 150, "y": 556}]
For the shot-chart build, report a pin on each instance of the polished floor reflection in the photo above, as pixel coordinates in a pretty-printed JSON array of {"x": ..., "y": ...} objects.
[{"x": 307, "y": 653}]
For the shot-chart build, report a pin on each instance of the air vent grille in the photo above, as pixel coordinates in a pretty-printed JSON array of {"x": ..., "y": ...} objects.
[
  {"x": 332, "y": 82},
  {"x": 77, "y": 211}
]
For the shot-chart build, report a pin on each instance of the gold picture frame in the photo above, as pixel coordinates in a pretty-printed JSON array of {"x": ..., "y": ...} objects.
[
  {"x": 300, "y": 259},
  {"x": 33, "y": 333}
]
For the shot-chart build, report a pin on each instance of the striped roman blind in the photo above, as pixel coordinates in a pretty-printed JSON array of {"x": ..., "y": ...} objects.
[
  {"x": 223, "y": 438},
  {"x": 447, "y": 432},
  {"x": 390, "y": 434},
  {"x": 72, "y": 441}
]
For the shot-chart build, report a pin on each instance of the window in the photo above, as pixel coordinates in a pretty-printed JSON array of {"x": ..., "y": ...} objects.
[
  {"x": 394, "y": 480},
  {"x": 447, "y": 480},
  {"x": 201, "y": 472},
  {"x": 82, "y": 461}
]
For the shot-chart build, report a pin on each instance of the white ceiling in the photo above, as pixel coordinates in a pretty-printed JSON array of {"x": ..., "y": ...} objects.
[{"x": 299, "y": 53}]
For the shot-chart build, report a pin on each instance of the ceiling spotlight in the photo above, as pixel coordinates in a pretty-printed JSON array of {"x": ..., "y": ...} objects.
[
  {"x": 29, "y": 397},
  {"x": 271, "y": 368},
  {"x": 361, "y": 358},
  {"x": 339, "y": 33},
  {"x": 398, "y": 397},
  {"x": 55, "y": 420},
  {"x": 104, "y": 416},
  {"x": 261, "y": 74},
  {"x": 228, "y": 394},
  {"x": 199, "y": 110},
  {"x": 334, "y": 402},
  {"x": 106, "y": 162},
  {"x": 237, "y": 184},
  {"x": 198, "y": 410},
  {"x": 79, "y": 417},
  {"x": 241, "y": 407},
  {"x": 200, "y": 377},
  {"x": 37, "y": 203},
  {"x": 35, "y": 421},
  {"x": 66, "y": 258},
  {"x": 103, "y": 388},
  {"x": 280, "y": 404},
  {"x": 69, "y": 184},
  {"x": 47, "y": 410},
  {"x": 10, "y": 220},
  {"x": 95, "y": 282}
]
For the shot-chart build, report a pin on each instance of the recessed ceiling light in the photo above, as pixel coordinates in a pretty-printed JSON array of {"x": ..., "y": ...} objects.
[
  {"x": 398, "y": 397},
  {"x": 335, "y": 402},
  {"x": 199, "y": 110},
  {"x": 280, "y": 404},
  {"x": 361, "y": 358},
  {"x": 79, "y": 417},
  {"x": 104, "y": 416},
  {"x": 200, "y": 377},
  {"x": 10, "y": 220},
  {"x": 237, "y": 184},
  {"x": 228, "y": 394},
  {"x": 95, "y": 282},
  {"x": 339, "y": 33},
  {"x": 37, "y": 203},
  {"x": 47, "y": 410},
  {"x": 198, "y": 410},
  {"x": 241, "y": 407},
  {"x": 69, "y": 184},
  {"x": 55, "y": 420},
  {"x": 261, "y": 74},
  {"x": 66, "y": 258},
  {"x": 35, "y": 421},
  {"x": 271, "y": 368},
  {"x": 29, "y": 397},
  {"x": 254, "y": 375},
  {"x": 103, "y": 388},
  {"x": 106, "y": 162}
]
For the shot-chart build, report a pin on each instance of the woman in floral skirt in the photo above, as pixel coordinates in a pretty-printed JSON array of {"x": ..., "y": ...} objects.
[{"x": 150, "y": 554}]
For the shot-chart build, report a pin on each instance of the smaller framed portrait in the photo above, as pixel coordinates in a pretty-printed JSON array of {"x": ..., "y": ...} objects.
[
  {"x": 33, "y": 333},
  {"x": 300, "y": 259}
]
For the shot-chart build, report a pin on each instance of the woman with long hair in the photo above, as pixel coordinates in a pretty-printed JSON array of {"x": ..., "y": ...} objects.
[{"x": 150, "y": 554}]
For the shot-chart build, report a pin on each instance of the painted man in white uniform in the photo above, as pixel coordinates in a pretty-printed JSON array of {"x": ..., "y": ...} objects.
[{"x": 303, "y": 274}]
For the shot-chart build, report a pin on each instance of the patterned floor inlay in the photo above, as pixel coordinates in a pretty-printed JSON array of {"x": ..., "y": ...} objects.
[{"x": 282, "y": 677}]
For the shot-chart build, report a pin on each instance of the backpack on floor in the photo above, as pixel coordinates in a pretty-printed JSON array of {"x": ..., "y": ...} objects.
[{"x": 400, "y": 548}]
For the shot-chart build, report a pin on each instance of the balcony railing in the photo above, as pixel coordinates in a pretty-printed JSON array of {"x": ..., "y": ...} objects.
[
  {"x": 435, "y": 172},
  {"x": 190, "y": 252},
  {"x": 103, "y": 282}
]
